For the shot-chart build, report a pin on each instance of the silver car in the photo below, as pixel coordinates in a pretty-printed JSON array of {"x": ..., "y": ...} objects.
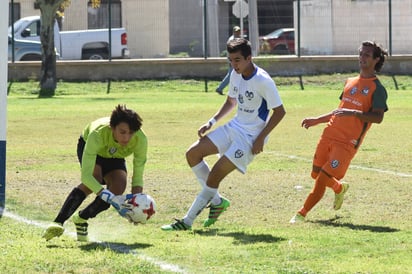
[{"x": 25, "y": 50}]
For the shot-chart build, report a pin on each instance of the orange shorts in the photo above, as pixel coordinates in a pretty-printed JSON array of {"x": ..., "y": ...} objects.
[{"x": 333, "y": 157}]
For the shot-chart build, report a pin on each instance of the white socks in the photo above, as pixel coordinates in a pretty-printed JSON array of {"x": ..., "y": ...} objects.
[
  {"x": 201, "y": 170},
  {"x": 199, "y": 204}
]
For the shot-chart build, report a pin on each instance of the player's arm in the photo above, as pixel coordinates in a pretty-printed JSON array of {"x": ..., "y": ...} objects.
[
  {"x": 88, "y": 164},
  {"x": 139, "y": 161},
  {"x": 91, "y": 148},
  {"x": 226, "y": 108},
  {"x": 277, "y": 115},
  {"x": 373, "y": 116},
  {"x": 313, "y": 121}
]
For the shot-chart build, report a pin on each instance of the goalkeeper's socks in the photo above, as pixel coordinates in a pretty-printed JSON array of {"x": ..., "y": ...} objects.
[
  {"x": 72, "y": 203},
  {"x": 81, "y": 228}
]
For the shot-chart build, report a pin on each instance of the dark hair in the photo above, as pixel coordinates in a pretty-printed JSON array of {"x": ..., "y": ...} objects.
[
  {"x": 239, "y": 44},
  {"x": 378, "y": 51},
  {"x": 122, "y": 114}
]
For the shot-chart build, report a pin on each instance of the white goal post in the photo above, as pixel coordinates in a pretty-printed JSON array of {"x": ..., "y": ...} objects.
[{"x": 4, "y": 18}]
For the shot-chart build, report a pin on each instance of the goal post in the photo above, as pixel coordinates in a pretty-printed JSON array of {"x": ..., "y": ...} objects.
[{"x": 4, "y": 18}]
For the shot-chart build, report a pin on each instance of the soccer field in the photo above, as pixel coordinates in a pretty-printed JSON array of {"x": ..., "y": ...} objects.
[{"x": 371, "y": 233}]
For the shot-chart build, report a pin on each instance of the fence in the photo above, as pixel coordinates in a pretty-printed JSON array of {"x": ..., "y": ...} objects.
[{"x": 200, "y": 28}]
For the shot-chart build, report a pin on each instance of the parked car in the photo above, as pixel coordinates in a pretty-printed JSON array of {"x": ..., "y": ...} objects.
[
  {"x": 25, "y": 50},
  {"x": 280, "y": 41},
  {"x": 78, "y": 44}
]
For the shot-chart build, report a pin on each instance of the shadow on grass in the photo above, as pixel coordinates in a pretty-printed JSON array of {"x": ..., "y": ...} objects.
[
  {"x": 242, "y": 237},
  {"x": 335, "y": 223},
  {"x": 120, "y": 248}
]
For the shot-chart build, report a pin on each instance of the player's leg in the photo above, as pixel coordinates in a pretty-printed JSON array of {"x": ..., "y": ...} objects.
[
  {"x": 116, "y": 181},
  {"x": 199, "y": 150},
  {"x": 219, "y": 171},
  {"x": 338, "y": 163},
  {"x": 70, "y": 205},
  {"x": 195, "y": 158},
  {"x": 319, "y": 159},
  {"x": 111, "y": 172},
  {"x": 316, "y": 194},
  {"x": 225, "y": 81},
  {"x": 237, "y": 155},
  {"x": 225, "y": 166}
]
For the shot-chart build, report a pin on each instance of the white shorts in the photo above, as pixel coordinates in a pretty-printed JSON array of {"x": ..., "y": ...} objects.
[{"x": 234, "y": 144}]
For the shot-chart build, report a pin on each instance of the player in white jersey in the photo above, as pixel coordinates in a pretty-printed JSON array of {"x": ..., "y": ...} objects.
[{"x": 254, "y": 93}]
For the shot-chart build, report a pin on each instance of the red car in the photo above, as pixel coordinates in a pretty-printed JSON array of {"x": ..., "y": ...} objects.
[{"x": 280, "y": 41}]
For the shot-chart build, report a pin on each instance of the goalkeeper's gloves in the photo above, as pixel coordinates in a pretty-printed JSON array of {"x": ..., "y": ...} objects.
[{"x": 115, "y": 200}]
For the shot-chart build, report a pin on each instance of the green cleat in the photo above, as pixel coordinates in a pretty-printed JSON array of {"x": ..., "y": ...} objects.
[
  {"x": 298, "y": 218},
  {"x": 53, "y": 230},
  {"x": 215, "y": 211},
  {"x": 81, "y": 228},
  {"x": 178, "y": 225},
  {"x": 337, "y": 204}
]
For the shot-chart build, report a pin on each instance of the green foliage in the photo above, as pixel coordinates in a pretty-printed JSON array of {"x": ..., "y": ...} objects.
[{"x": 370, "y": 234}]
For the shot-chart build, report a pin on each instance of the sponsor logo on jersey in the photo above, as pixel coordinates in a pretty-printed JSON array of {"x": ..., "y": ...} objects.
[{"x": 249, "y": 95}]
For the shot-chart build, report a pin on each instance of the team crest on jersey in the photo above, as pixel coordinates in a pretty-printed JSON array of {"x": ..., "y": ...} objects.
[
  {"x": 334, "y": 164},
  {"x": 365, "y": 91},
  {"x": 353, "y": 90},
  {"x": 249, "y": 95},
  {"x": 239, "y": 153},
  {"x": 112, "y": 150},
  {"x": 235, "y": 89}
]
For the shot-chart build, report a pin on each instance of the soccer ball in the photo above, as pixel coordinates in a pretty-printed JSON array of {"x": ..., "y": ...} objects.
[{"x": 142, "y": 208}]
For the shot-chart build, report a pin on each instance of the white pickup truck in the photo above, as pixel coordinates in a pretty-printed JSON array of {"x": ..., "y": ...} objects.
[{"x": 78, "y": 44}]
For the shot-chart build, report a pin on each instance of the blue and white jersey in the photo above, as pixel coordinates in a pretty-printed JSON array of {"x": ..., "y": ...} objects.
[{"x": 255, "y": 96}]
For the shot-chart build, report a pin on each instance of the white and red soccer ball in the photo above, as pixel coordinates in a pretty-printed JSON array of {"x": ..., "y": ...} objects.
[{"x": 143, "y": 207}]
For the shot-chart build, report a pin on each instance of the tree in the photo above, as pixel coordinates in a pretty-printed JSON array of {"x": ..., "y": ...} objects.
[{"x": 48, "y": 11}]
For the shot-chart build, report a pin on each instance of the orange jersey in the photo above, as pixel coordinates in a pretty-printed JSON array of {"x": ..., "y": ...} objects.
[{"x": 360, "y": 94}]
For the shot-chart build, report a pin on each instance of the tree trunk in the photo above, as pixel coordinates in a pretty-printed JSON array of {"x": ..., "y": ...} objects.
[{"x": 48, "y": 81}]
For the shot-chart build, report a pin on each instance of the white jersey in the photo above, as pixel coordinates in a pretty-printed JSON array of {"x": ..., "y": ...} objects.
[{"x": 255, "y": 96}]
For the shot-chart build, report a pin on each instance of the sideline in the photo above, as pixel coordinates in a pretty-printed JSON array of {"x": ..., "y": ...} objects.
[
  {"x": 121, "y": 249},
  {"x": 390, "y": 172}
]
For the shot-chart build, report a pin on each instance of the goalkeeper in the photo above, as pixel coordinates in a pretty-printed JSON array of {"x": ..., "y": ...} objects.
[{"x": 101, "y": 151}]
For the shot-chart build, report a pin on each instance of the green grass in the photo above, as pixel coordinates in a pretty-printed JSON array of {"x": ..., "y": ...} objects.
[{"x": 371, "y": 233}]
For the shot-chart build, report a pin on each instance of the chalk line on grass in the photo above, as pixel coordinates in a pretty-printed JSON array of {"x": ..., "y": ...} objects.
[
  {"x": 390, "y": 172},
  {"x": 118, "y": 248}
]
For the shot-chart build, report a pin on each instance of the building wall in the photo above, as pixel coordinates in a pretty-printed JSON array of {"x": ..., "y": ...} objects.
[
  {"x": 146, "y": 23},
  {"x": 338, "y": 27},
  {"x": 75, "y": 16}
]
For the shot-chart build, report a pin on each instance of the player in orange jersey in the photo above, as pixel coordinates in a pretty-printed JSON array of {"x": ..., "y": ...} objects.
[{"x": 362, "y": 102}]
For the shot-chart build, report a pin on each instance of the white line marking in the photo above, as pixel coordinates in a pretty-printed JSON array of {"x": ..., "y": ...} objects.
[
  {"x": 390, "y": 172},
  {"x": 118, "y": 248}
]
